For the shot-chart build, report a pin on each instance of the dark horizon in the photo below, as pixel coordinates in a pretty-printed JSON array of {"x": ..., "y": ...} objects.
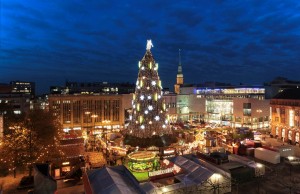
[{"x": 248, "y": 42}]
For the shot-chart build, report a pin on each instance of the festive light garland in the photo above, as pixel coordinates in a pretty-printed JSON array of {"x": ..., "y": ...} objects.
[{"x": 149, "y": 109}]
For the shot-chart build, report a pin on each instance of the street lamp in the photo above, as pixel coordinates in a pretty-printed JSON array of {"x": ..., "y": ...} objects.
[
  {"x": 94, "y": 129},
  {"x": 291, "y": 158},
  {"x": 105, "y": 136},
  {"x": 259, "y": 172},
  {"x": 87, "y": 113},
  {"x": 94, "y": 121},
  {"x": 216, "y": 182}
]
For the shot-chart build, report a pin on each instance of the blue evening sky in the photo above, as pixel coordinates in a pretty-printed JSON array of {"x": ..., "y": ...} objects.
[{"x": 245, "y": 41}]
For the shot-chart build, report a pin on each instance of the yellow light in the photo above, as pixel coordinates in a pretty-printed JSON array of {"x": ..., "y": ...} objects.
[
  {"x": 139, "y": 64},
  {"x": 291, "y": 158},
  {"x": 133, "y": 97},
  {"x": 155, "y": 96},
  {"x": 141, "y": 119},
  {"x": 138, "y": 107},
  {"x": 65, "y": 163},
  {"x": 141, "y": 83},
  {"x": 150, "y": 65}
]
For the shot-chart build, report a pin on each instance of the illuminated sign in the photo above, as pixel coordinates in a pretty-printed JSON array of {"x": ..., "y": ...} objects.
[
  {"x": 231, "y": 91},
  {"x": 160, "y": 172}
]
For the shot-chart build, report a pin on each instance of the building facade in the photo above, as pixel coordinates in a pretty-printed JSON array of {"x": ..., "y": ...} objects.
[
  {"x": 23, "y": 87},
  {"x": 90, "y": 113},
  {"x": 19, "y": 103},
  {"x": 250, "y": 112},
  {"x": 93, "y": 88},
  {"x": 285, "y": 123},
  {"x": 236, "y": 106}
]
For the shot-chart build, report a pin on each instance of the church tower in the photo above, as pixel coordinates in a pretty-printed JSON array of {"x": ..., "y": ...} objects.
[{"x": 179, "y": 77}]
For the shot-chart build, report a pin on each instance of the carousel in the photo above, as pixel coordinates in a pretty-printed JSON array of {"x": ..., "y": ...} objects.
[{"x": 142, "y": 161}]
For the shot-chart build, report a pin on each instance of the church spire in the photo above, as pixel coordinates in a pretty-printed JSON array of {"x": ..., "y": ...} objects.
[
  {"x": 179, "y": 77},
  {"x": 179, "y": 64}
]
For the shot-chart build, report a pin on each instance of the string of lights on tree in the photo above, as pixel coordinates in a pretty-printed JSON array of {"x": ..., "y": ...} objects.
[
  {"x": 149, "y": 110},
  {"x": 19, "y": 155}
]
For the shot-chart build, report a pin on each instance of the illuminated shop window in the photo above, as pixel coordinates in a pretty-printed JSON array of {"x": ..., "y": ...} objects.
[{"x": 292, "y": 118}]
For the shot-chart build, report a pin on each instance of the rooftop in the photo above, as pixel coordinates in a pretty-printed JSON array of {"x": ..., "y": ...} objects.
[{"x": 293, "y": 94}]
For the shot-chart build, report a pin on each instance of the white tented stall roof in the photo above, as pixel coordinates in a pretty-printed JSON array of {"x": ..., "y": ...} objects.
[
  {"x": 114, "y": 180},
  {"x": 194, "y": 173}
]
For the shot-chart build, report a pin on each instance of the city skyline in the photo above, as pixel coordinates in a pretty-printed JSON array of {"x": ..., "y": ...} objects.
[{"x": 248, "y": 42}]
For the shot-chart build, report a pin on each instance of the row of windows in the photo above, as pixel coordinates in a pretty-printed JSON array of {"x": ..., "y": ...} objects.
[{"x": 86, "y": 111}]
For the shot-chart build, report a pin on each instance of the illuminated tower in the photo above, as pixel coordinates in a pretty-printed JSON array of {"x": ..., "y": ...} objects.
[
  {"x": 179, "y": 78},
  {"x": 149, "y": 110}
]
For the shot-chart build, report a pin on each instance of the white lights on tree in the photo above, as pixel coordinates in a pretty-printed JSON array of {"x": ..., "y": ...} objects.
[
  {"x": 130, "y": 117},
  {"x": 166, "y": 121},
  {"x": 133, "y": 106},
  {"x": 149, "y": 110},
  {"x": 154, "y": 133}
]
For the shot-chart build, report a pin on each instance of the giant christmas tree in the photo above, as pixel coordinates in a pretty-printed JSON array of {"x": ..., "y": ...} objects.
[{"x": 148, "y": 119}]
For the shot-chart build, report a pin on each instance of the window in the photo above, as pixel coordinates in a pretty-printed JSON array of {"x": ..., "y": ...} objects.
[
  {"x": 247, "y": 109},
  {"x": 238, "y": 119},
  {"x": 247, "y": 105},
  {"x": 247, "y": 112}
]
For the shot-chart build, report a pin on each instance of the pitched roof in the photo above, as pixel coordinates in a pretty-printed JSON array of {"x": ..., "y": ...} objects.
[
  {"x": 196, "y": 174},
  {"x": 114, "y": 180},
  {"x": 293, "y": 94}
]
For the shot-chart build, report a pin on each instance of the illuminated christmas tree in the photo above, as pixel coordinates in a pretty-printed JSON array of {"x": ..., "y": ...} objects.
[{"x": 148, "y": 117}]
